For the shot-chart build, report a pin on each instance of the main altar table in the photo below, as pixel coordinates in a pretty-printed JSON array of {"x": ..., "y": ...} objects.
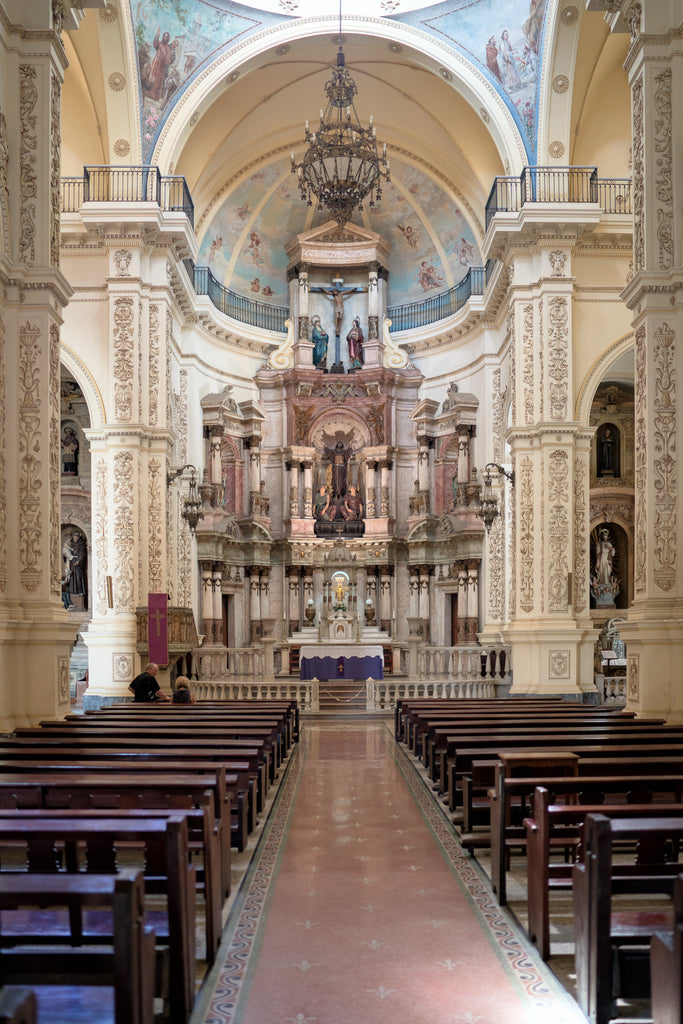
[{"x": 341, "y": 661}]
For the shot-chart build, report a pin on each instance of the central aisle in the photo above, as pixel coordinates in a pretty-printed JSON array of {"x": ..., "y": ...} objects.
[{"x": 360, "y": 907}]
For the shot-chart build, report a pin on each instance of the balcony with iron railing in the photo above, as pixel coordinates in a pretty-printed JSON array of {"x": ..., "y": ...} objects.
[
  {"x": 549, "y": 185},
  {"x": 136, "y": 184},
  {"x": 558, "y": 185}
]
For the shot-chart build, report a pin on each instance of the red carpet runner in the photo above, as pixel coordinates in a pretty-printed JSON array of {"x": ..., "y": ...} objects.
[{"x": 361, "y": 908}]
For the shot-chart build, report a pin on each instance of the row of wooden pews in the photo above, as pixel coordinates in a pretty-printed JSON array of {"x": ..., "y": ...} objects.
[
  {"x": 116, "y": 832},
  {"x": 594, "y": 800}
]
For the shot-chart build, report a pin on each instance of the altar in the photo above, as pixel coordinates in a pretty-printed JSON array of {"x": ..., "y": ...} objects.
[{"x": 341, "y": 661}]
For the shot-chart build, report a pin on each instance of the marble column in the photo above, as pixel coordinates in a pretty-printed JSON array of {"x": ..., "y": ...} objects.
[{"x": 654, "y": 631}]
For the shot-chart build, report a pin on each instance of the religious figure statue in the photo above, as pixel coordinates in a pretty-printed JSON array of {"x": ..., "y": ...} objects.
[
  {"x": 604, "y": 558},
  {"x": 321, "y": 505},
  {"x": 70, "y": 448},
  {"x": 339, "y": 457},
  {"x": 353, "y": 506},
  {"x": 607, "y": 453},
  {"x": 320, "y": 339},
  {"x": 338, "y": 294},
  {"x": 78, "y": 575},
  {"x": 355, "y": 340},
  {"x": 67, "y": 559}
]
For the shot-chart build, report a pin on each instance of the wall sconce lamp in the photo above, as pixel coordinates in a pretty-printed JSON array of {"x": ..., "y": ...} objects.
[
  {"x": 192, "y": 510},
  {"x": 488, "y": 509}
]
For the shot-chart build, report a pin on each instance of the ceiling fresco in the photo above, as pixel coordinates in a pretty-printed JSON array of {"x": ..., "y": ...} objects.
[
  {"x": 432, "y": 244},
  {"x": 177, "y": 39}
]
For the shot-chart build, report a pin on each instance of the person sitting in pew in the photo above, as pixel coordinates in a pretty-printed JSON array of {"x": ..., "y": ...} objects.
[
  {"x": 145, "y": 688},
  {"x": 183, "y": 691}
]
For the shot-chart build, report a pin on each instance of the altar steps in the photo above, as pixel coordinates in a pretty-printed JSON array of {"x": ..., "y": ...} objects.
[{"x": 342, "y": 695}]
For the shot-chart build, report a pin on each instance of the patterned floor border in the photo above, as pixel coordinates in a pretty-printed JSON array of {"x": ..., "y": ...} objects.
[
  {"x": 219, "y": 999},
  {"x": 520, "y": 958}
]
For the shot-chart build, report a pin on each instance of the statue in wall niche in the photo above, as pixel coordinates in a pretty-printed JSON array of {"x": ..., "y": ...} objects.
[
  {"x": 321, "y": 505},
  {"x": 338, "y": 294},
  {"x": 355, "y": 340},
  {"x": 320, "y": 339},
  {"x": 70, "y": 448},
  {"x": 605, "y": 585},
  {"x": 607, "y": 446}
]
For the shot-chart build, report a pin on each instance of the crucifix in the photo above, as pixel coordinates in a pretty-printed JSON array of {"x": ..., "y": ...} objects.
[{"x": 338, "y": 293}]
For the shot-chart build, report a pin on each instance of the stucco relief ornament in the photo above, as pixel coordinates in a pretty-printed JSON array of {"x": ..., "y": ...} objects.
[
  {"x": 641, "y": 449},
  {"x": 558, "y": 364},
  {"x": 124, "y": 532},
  {"x": 394, "y": 357},
  {"x": 122, "y": 667},
  {"x": 526, "y": 535},
  {"x": 558, "y": 261},
  {"x": 665, "y": 482},
  {"x": 569, "y": 15},
  {"x": 122, "y": 259},
  {"x": 3, "y": 476},
  {"x": 558, "y": 529},
  {"x": 28, "y": 98},
  {"x": 55, "y": 168},
  {"x": 638, "y": 176},
  {"x": 484, "y": 115},
  {"x": 560, "y": 83},
  {"x": 63, "y": 679},
  {"x": 122, "y": 147},
  {"x": 283, "y": 357},
  {"x": 444, "y": 72},
  {"x": 109, "y": 12},
  {"x": 556, "y": 149},
  {"x": 558, "y": 664},
  {"x": 664, "y": 169},
  {"x": 580, "y": 532},
  {"x": 117, "y": 81}
]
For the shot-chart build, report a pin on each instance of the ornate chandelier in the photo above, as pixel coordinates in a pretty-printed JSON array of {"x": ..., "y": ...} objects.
[{"x": 341, "y": 166}]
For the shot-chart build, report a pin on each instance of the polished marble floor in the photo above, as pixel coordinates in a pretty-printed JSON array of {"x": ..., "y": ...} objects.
[{"x": 359, "y": 907}]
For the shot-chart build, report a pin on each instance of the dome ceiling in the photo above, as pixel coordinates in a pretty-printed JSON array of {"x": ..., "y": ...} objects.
[{"x": 432, "y": 244}]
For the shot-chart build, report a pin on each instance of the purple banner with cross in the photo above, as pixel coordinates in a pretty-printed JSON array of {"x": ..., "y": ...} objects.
[{"x": 157, "y": 628}]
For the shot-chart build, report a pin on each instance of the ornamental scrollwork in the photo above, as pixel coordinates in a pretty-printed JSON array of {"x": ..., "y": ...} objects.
[
  {"x": 665, "y": 477},
  {"x": 641, "y": 449},
  {"x": 124, "y": 368},
  {"x": 558, "y": 529},
  {"x": 638, "y": 149},
  {"x": 558, "y": 364},
  {"x": 30, "y": 465},
  {"x": 28, "y": 159},
  {"x": 664, "y": 169},
  {"x": 124, "y": 532},
  {"x": 526, "y": 535}
]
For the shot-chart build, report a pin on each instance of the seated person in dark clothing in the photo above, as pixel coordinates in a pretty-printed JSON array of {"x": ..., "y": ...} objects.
[
  {"x": 145, "y": 688},
  {"x": 183, "y": 693}
]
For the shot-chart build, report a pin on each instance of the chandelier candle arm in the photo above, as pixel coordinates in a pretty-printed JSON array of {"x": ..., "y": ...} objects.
[{"x": 488, "y": 510}]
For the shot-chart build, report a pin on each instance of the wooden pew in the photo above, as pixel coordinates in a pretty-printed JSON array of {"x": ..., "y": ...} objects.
[
  {"x": 507, "y": 828},
  {"x": 203, "y": 838},
  {"x": 406, "y": 706},
  {"x": 289, "y": 709},
  {"x": 17, "y": 1005},
  {"x": 225, "y": 735},
  {"x": 603, "y": 930},
  {"x": 559, "y": 826},
  {"x": 167, "y": 870},
  {"x": 666, "y": 966},
  {"x": 127, "y": 967},
  {"x": 223, "y": 751},
  {"x": 608, "y": 747},
  {"x": 231, "y": 788}
]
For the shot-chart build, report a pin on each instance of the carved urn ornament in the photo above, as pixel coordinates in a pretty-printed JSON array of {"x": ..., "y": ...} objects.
[{"x": 310, "y": 610}]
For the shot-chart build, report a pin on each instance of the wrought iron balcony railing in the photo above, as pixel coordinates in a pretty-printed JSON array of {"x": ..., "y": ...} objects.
[
  {"x": 246, "y": 311},
  {"x": 558, "y": 185},
  {"x": 137, "y": 184},
  {"x": 438, "y": 307}
]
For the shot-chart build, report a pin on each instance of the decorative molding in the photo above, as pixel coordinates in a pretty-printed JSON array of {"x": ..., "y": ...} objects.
[
  {"x": 109, "y": 12},
  {"x": 28, "y": 144},
  {"x": 641, "y": 448},
  {"x": 122, "y": 668},
  {"x": 117, "y": 81},
  {"x": 558, "y": 261},
  {"x": 55, "y": 168},
  {"x": 3, "y": 461},
  {"x": 122, "y": 260},
  {"x": 570, "y": 15},
  {"x": 528, "y": 362},
  {"x": 30, "y": 466},
  {"x": 156, "y": 480},
  {"x": 664, "y": 171},
  {"x": 559, "y": 664},
  {"x": 4, "y": 183},
  {"x": 123, "y": 357},
  {"x": 100, "y": 535},
  {"x": 559, "y": 531},
  {"x": 560, "y": 83},
  {"x": 633, "y": 675},
  {"x": 664, "y": 466},
  {"x": 638, "y": 176},
  {"x": 154, "y": 362},
  {"x": 556, "y": 149},
  {"x": 54, "y": 451},
  {"x": 122, "y": 147},
  {"x": 580, "y": 580},
  {"x": 526, "y": 535},
  {"x": 63, "y": 679},
  {"x": 558, "y": 361},
  {"x": 125, "y": 518}
]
